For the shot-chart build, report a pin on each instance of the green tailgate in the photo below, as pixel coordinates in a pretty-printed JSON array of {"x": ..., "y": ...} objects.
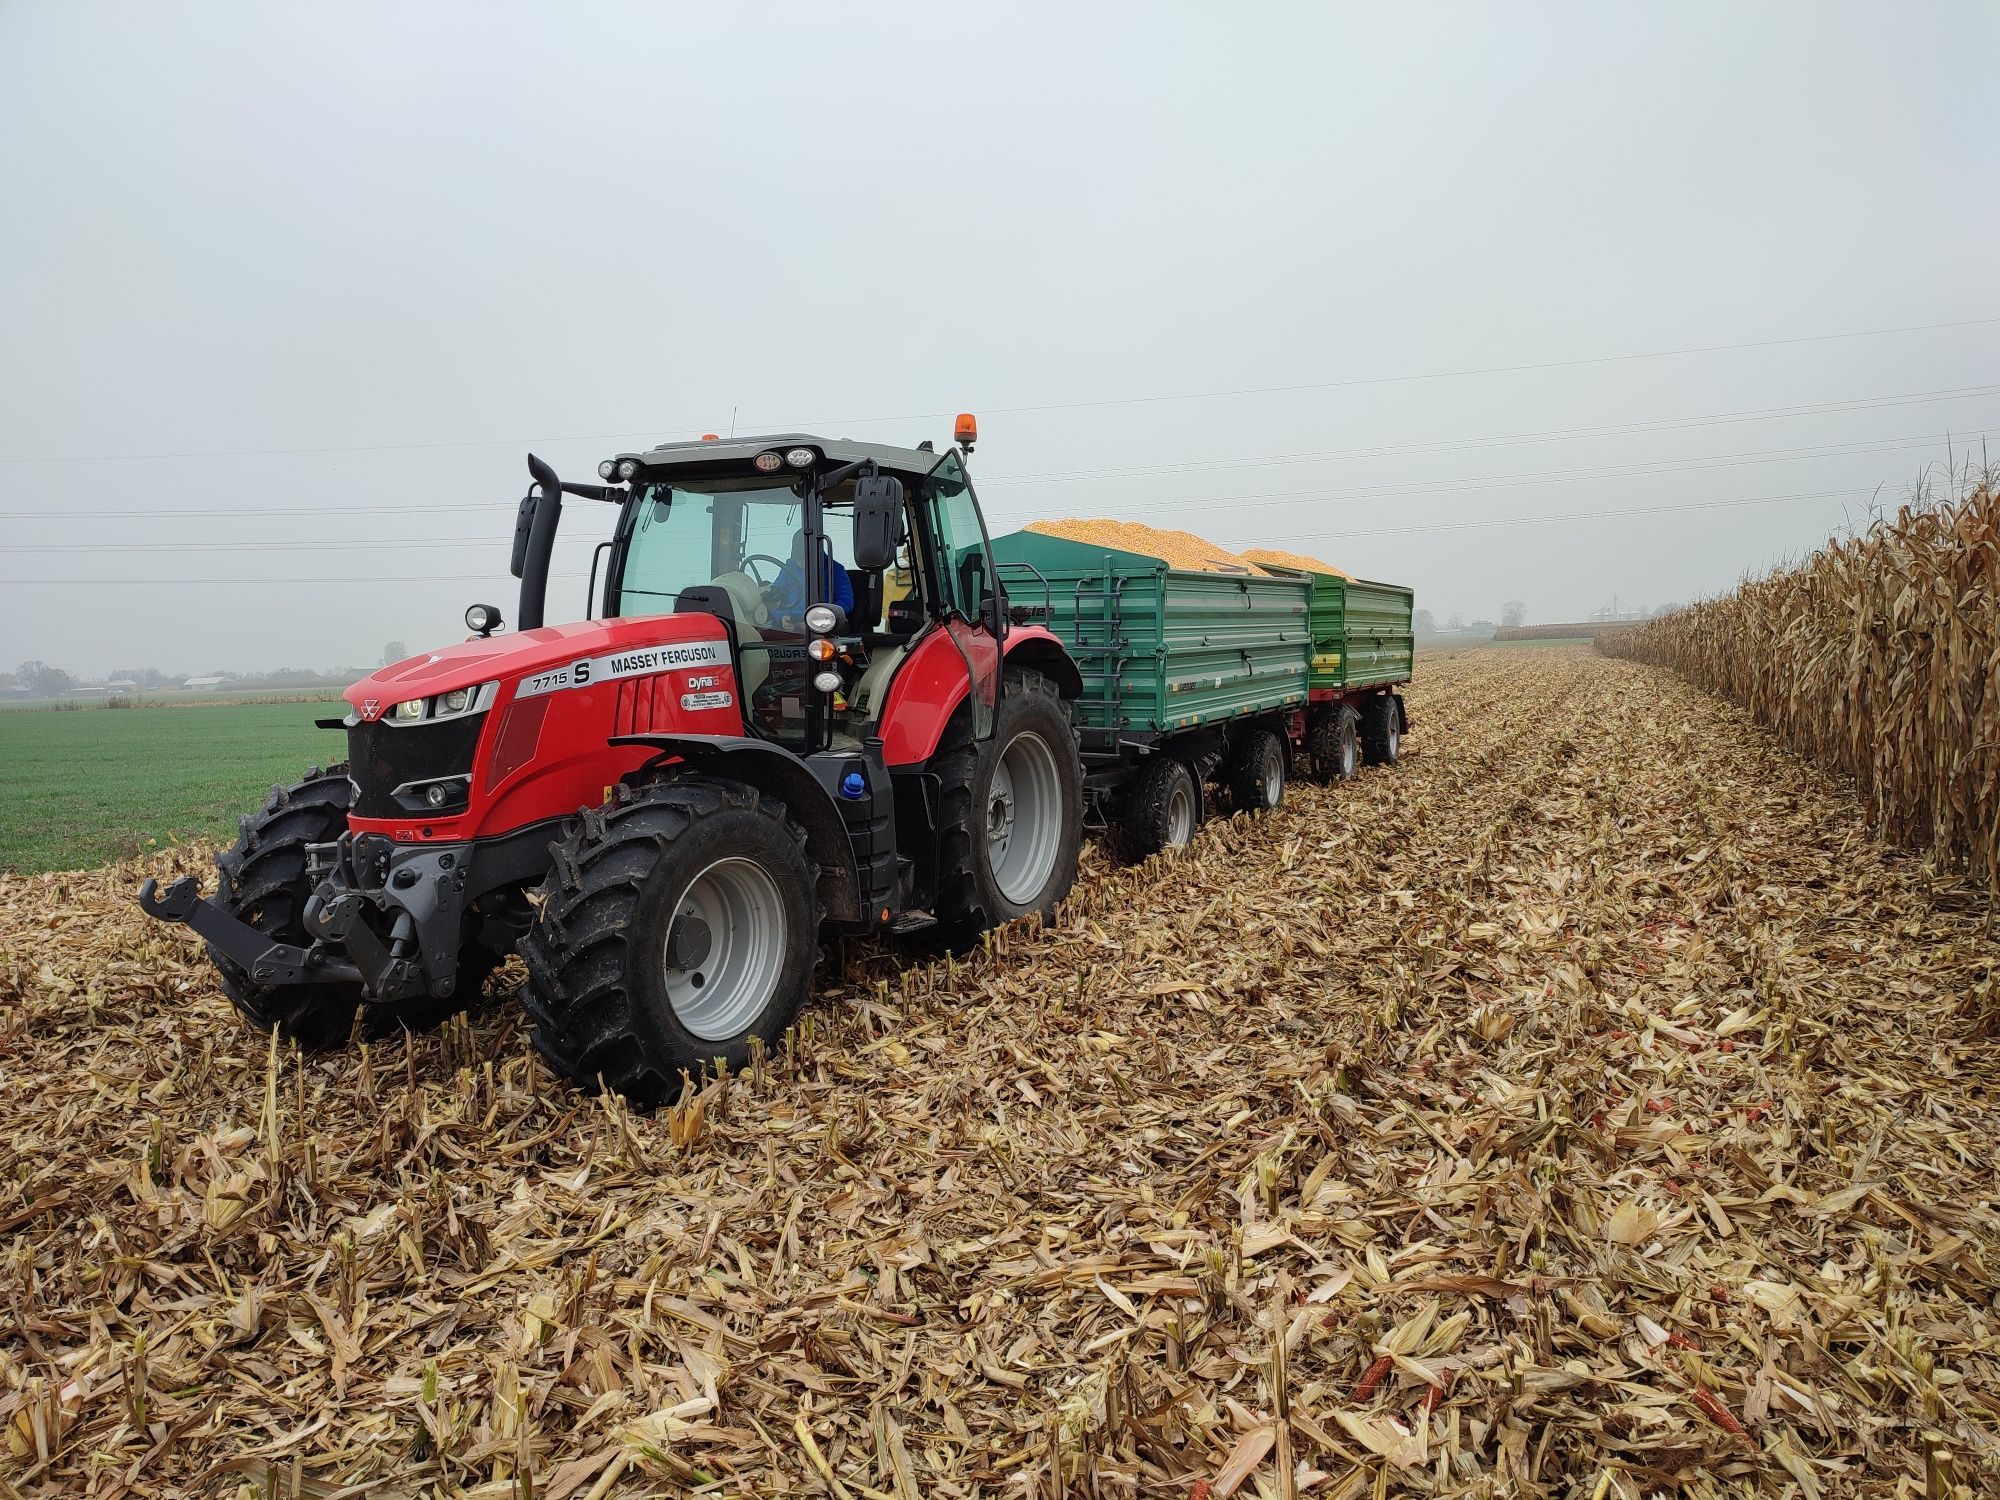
[
  {"x": 1361, "y": 630},
  {"x": 1161, "y": 648}
]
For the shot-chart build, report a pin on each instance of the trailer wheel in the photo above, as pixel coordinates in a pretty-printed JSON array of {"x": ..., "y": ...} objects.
[
  {"x": 1162, "y": 810},
  {"x": 261, "y": 880},
  {"x": 1257, "y": 774},
  {"x": 1331, "y": 743},
  {"x": 1381, "y": 731},
  {"x": 677, "y": 922},
  {"x": 1011, "y": 811}
]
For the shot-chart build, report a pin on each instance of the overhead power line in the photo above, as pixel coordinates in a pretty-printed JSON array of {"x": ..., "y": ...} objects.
[
  {"x": 1046, "y": 406},
  {"x": 1407, "y": 490},
  {"x": 1480, "y": 523}
]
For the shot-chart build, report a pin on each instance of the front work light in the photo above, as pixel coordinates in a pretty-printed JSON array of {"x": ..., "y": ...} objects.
[
  {"x": 606, "y": 469},
  {"x": 627, "y": 467},
  {"x": 799, "y": 458},
  {"x": 827, "y": 682},
  {"x": 823, "y": 619},
  {"x": 767, "y": 463},
  {"x": 482, "y": 619}
]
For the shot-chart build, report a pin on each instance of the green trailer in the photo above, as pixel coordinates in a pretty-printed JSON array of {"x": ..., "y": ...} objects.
[
  {"x": 1195, "y": 680},
  {"x": 1362, "y": 632}
]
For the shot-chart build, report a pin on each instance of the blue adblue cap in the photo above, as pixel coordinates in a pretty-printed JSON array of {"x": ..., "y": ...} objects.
[{"x": 854, "y": 786}]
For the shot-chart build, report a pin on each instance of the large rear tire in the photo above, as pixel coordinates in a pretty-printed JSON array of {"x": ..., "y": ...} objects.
[
  {"x": 1162, "y": 809},
  {"x": 678, "y": 922},
  {"x": 261, "y": 880},
  {"x": 1011, "y": 816},
  {"x": 1257, "y": 773}
]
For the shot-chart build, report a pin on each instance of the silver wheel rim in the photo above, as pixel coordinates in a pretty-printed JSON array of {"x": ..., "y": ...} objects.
[
  {"x": 1347, "y": 755},
  {"x": 1180, "y": 815},
  {"x": 1395, "y": 741},
  {"x": 1274, "y": 780},
  {"x": 1024, "y": 819},
  {"x": 725, "y": 948}
]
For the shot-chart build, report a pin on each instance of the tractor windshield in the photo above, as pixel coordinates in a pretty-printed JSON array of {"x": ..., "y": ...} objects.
[{"x": 749, "y": 539}]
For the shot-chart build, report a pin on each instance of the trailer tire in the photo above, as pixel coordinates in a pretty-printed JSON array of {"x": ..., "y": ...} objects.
[
  {"x": 1010, "y": 820},
  {"x": 1332, "y": 745},
  {"x": 677, "y": 922},
  {"x": 261, "y": 880},
  {"x": 1382, "y": 731},
  {"x": 1162, "y": 810},
  {"x": 1257, "y": 773}
]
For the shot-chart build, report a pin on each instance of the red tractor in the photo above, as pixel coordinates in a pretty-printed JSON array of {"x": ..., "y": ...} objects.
[{"x": 803, "y": 706}]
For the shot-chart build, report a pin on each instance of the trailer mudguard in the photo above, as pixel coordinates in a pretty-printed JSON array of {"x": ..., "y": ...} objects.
[
  {"x": 782, "y": 775},
  {"x": 931, "y": 684}
]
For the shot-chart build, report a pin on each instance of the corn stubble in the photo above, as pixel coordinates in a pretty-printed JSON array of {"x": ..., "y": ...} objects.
[
  {"x": 1878, "y": 657},
  {"x": 1587, "y": 1106}
]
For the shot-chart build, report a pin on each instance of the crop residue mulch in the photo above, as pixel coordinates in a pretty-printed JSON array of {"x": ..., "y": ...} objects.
[{"x": 1585, "y": 1107}]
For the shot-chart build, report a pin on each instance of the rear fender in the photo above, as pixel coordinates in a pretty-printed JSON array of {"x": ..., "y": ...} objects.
[
  {"x": 931, "y": 684},
  {"x": 782, "y": 775}
]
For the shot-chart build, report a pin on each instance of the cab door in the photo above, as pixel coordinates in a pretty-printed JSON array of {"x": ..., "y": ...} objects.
[{"x": 966, "y": 579}]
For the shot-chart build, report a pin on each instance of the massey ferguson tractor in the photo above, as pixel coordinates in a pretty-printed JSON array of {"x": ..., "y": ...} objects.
[{"x": 803, "y": 706}]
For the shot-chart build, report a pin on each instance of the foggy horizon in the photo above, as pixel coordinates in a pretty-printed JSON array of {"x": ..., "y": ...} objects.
[{"x": 1559, "y": 306}]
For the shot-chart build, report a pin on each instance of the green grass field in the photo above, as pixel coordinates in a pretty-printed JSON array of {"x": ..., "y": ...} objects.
[{"x": 78, "y": 789}]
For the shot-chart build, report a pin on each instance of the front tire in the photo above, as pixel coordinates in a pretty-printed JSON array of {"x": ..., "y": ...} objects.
[
  {"x": 261, "y": 880},
  {"x": 1257, "y": 774},
  {"x": 1162, "y": 809},
  {"x": 678, "y": 922},
  {"x": 1333, "y": 745},
  {"x": 1382, "y": 731},
  {"x": 1011, "y": 820}
]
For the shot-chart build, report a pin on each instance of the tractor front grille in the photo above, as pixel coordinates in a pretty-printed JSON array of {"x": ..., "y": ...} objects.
[{"x": 383, "y": 756}]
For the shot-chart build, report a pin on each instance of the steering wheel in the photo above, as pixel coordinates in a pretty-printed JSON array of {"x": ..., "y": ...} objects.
[{"x": 778, "y": 565}]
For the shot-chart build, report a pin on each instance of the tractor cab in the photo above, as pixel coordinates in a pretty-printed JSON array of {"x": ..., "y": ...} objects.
[{"x": 826, "y": 560}]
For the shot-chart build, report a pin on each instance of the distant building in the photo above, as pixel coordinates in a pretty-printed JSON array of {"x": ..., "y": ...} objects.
[
  {"x": 121, "y": 685},
  {"x": 204, "y": 682}
]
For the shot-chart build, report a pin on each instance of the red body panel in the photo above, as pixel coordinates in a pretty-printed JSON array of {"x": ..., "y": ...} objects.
[
  {"x": 931, "y": 683},
  {"x": 565, "y": 691}
]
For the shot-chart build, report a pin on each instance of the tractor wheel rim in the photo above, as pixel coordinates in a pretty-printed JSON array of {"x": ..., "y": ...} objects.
[
  {"x": 725, "y": 949},
  {"x": 1024, "y": 818},
  {"x": 1180, "y": 817},
  {"x": 1273, "y": 781}
]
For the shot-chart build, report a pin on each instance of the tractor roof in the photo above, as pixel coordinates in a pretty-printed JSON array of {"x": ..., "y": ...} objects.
[{"x": 910, "y": 462}]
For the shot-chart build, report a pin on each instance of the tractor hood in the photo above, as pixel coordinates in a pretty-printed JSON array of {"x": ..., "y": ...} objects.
[{"x": 509, "y": 659}]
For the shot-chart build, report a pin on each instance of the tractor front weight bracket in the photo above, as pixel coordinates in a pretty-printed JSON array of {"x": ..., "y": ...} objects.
[{"x": 264, "y": 961}]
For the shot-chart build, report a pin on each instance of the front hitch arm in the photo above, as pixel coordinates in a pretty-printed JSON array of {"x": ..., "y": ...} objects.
[{"x": 264, "y": 961}]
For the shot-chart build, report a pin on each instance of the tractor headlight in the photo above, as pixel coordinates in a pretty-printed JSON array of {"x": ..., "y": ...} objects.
[
  {"x": 606, "y": 469},
  {"x": 823, "y": 619},
  {"x": 627, "y": 467},
  {"x": 405, "y": 712},
  {"x": 464, "y": 701},
  {"x": 827, "y": 682}
]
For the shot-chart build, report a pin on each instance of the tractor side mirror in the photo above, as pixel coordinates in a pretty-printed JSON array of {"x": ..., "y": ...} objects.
[
  {"x": 524, "y": 524},
  {"x": 878, "y": 521}
]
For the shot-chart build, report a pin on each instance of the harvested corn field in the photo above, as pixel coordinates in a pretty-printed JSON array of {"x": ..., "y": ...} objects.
[{"x": 1585, "y": 1106}]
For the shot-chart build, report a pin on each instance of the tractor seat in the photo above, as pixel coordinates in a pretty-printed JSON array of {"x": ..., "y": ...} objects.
[
  {"x": 748, "y": 614},
  {"x": 871, "y": 688}
]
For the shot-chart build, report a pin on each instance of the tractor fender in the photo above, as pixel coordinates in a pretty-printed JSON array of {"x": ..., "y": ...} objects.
[
  {"x": 931, "y": 684},
  {"x": 780, "y": 774}
]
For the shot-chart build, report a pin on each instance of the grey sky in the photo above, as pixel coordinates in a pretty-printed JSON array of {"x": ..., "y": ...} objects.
[{"x": 357, "y": 230}]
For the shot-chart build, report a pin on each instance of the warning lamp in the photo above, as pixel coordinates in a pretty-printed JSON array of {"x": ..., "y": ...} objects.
[
  {"x": 709, "y": 437},
  {"x": 966, "y": 433}
]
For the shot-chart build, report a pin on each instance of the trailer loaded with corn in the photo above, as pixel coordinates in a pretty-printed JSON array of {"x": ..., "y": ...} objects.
[{"x": 807, "y": 692}]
